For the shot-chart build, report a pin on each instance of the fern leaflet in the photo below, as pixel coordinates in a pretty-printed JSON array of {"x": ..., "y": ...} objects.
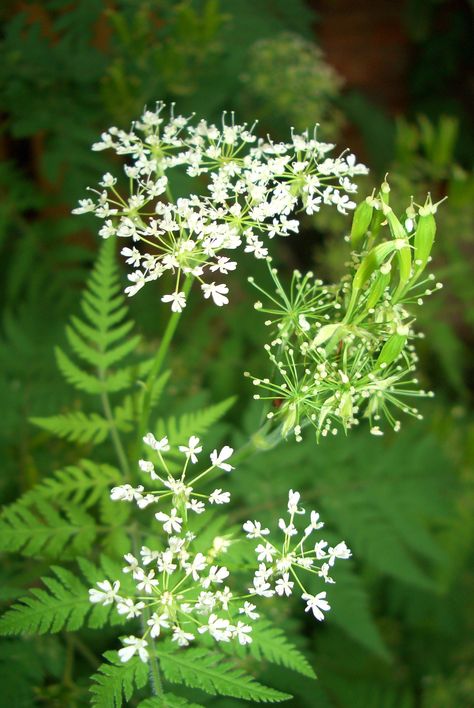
[
  {"x": 269, "y": 642},
  {"x": 116, "y": 681},
  {"x": 76, "y": 427},
  {"x": 211, "y": 672}
]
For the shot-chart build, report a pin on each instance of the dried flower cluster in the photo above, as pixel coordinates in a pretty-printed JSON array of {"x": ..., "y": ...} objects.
[
  {"x": 186, "y": 592},
  {"x": 247, "y": 191}
]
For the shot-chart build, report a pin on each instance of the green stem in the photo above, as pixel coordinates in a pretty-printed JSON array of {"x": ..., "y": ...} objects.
[
  {"x": 156, "y": 368},
  {"x": 114, "y": 433},
  {"x": 153, "y": 661}
]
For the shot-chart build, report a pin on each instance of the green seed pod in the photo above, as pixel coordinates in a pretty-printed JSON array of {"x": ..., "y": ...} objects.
[
  {"x": 377, "y": 289},
  {"x": 373, "y": 260},
  {"x": 403, "y": 253},
  {"x": 289, "y": 421},
  {"x": 346, "y": 406},
  {"x": 361, "y": 221},
  {"x": 424, "y": 239},
  {"x": 325, "y": 333},
  {"x": 391, "y": 349},
  {"x": 377, "y": 221}
]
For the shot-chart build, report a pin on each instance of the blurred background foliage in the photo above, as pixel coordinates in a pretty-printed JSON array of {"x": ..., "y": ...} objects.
[{"x": 391, "y": 82}]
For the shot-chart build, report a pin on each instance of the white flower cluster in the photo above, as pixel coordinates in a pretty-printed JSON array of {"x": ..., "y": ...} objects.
[
  {"x": 181, "y": 588},
  {"x": 252, "y": 189},
  {"x": 178, "y": 589},
  {"x": 281, "y": 564}
]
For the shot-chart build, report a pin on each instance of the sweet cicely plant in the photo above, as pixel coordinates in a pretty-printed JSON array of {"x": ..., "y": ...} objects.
[{"x": 144, "y": 544}]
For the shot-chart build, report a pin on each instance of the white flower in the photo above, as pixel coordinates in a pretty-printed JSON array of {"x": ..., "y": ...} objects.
[
  {"x": 157, "y": 622},
  {"x": 107, "y": 594},
  {"x": 126, "y": 492},
  {"x": 218, "y": 627},
  {"x": 85, "y": 205},
  {"x": 198, "y": 564},
  {"x": 340, "y": 551},
  {"x": 217, "y": 292},
  {"x": 324, "y": 573},
  {"x": 284, "y": 586},
  {"x": 224, "y": 596},
  {"x": 158, "y": 445},
  {"x": 218, "y": 459},
  {"x": 254, "y": 529},
  {"x": 138, "y": 279},
  {"x": 191, "y": 449},
  {"x": 147, "y": 582},
  {"x": 293, "y": 499},
  {"x": 197, "y": 506},
  {"x": 216, "y": 575},
  {"x": 181, "y": 637},
  {"x": 132, "y": 566},
  {"x": 178, "y": 301},
  {"x": 265, "y": 552},
  {"x": 219, "y": 497},
  {"x": 319, "y": 549},
  {"x": 288, "y": 529},
  {"x": 132, "y": 646},
  {"x": 317, "y": 604},
  {"x": 314, "y": 524},
  {"x": 242, "y": 632},
  {"x": 223, "y": 265},
  {"x": 148, "y": 556},
  {"x": 171, "y": 522},
  {"x": 249, "y": 610},
  {"x": 165, "y": 562},
  {"x": 126, "y": 606}
]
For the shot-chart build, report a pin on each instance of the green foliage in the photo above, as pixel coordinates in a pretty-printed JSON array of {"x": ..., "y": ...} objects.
[
  {"x": 270, "y": 643},
  {"x": 43, "y": 530},
  {"x": 76, "y": 427},
  {"x": 116, "y": 681},
  {"x": 197, "y": 422},
  {"x": 81, "y": 484},
  {"x": 168, "y": 701},
  {"x": 100, "y": 339},
  {"x": 214, "y": 674},
  {"x": 63, "y": 605}
]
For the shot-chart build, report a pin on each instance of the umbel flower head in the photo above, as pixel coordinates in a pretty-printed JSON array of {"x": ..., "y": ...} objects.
[
  {"x": 252, "y": 190},
  {"x": 344, "y": 351},
  {"x": 183, "y": 589}
]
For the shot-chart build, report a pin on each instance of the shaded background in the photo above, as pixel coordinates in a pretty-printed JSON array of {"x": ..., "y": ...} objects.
[{"x": 394, "y": 82}]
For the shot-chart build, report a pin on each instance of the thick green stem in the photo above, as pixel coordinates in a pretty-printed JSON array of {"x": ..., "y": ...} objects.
[{"x": 156, "y": 368}]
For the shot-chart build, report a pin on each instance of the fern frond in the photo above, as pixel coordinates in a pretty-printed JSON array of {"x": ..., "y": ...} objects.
[
  {"x": 214, "y": 674},
  {"x": 168, "y": 700},
  {"x": 82, "y": 484},
  {"x": 44, "y": 530},
  {"x": 101, "y": 337},
  {"x": 76, "y": 427},
  {"x": 198, "y": 422},
  {"x": 63, "y": 603},
  {"x": 114, "y": 381},
  {"x": 115, "y": 681},
  {"x": 270, "y": 643}
]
